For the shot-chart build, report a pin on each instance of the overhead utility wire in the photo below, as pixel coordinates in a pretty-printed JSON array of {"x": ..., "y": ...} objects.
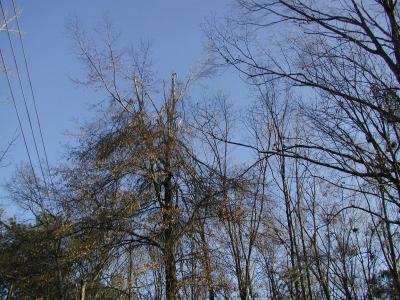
[
  {"x": 31, "y": 88},
  {"x": 22, "y": 91},
  {"x": 19, "y": 119}
]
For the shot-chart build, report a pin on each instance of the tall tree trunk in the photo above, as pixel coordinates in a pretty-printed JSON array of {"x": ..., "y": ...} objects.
[
  {"x": 206, "y": 261},
  {"x": 168, "y": 209},
  {"x": 83, "y": 291},
  {"x": 169, "y": 244}
]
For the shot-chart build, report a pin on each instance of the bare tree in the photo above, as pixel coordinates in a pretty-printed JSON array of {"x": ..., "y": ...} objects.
[
  {"x": 135, "y": 172},
  {"x": 343, "y": 59}
]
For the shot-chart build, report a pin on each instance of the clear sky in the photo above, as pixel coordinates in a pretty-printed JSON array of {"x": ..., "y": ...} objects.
[{"x": 173, "y": 28}]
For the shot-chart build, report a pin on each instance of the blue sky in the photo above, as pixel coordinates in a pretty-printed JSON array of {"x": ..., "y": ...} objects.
[{"x": 174, "y": 29}]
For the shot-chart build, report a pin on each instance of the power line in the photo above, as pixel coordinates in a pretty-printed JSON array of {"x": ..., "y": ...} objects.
[
  {"x": 22, "y": 91},
  {"x": 18, "y": 117},
  {"x": 31, "y": 88}
]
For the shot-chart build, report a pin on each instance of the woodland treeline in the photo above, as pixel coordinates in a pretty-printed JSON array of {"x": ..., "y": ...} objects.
[{"x": 154, "y": 203}]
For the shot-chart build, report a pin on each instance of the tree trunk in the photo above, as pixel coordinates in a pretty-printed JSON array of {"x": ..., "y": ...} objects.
[
  {"x": 169, "y": 241},
  {"x": 83, "y": 291}
]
